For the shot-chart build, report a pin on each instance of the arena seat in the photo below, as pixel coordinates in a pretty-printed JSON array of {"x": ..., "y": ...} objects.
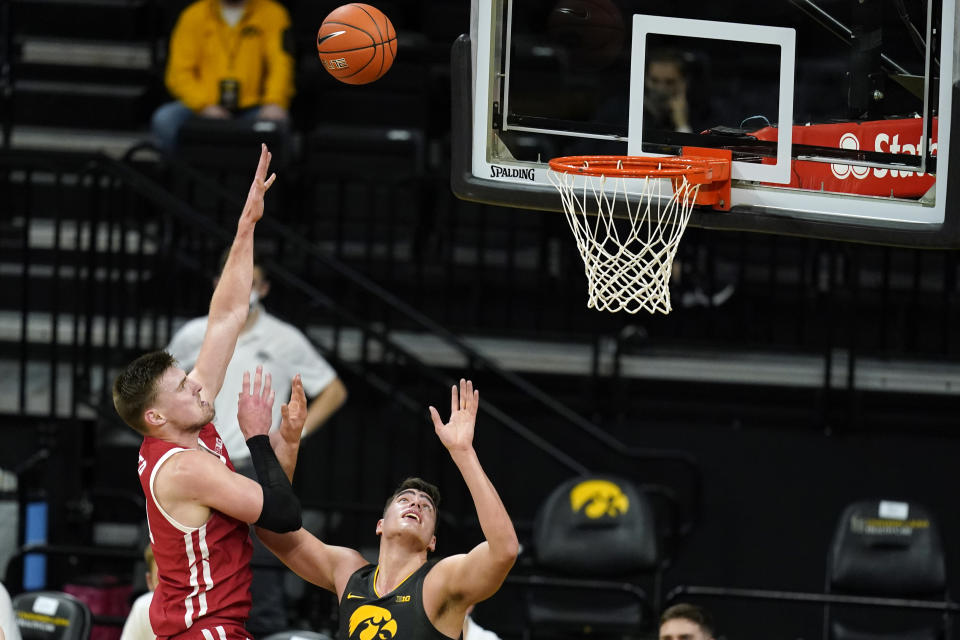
[
  {"x": 889, "y": 549},
  {"x": 593, "y": 537},
  {"x": 51, "y": 615},
  {"x": 885, "y": 577}
]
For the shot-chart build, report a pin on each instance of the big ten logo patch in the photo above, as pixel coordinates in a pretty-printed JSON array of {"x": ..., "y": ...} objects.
[
  {"x": 598, "y": 498},
  {"x": 402, "y": 599},
  {"x": 372, "y": 623},
  {"x": 141, "y": 465}
]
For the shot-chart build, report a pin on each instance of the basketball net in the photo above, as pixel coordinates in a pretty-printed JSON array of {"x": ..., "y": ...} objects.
[{"x": 627, "y": 251}]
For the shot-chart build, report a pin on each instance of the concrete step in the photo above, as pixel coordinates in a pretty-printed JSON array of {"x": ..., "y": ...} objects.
[{"x": 52, "y": 138}]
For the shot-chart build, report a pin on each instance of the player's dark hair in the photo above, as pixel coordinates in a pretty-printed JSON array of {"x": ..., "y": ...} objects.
[
  {"x": 419, "y": 484},
  {"x": 691, "y": 612},
  {"x": 135, "y": 388},
  {"x": 669, "y": 55}
]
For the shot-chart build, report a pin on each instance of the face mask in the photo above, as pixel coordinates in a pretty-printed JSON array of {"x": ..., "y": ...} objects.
[{"x": 254, "y": 298}]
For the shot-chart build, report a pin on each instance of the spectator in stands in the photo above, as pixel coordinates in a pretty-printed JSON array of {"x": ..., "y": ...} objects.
[
  {"x": 686, "y": 622},
  {"x": 284, "y": 352},
  {"x": 227, "y": 59},
  {"x": 8, "y": 619},
  {"x": 665, "y": 104},
  {"x": 137, "y": 626},
  {"x": 473, "y": 631}
]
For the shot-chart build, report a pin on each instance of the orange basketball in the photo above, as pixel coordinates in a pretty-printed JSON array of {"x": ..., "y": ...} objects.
[{"x": 357, "y": 43}]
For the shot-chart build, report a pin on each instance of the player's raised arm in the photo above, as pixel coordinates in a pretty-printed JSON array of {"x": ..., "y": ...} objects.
[
  {"x": 231, "y": 298},
  {"x": 326, "y": 566},
  {"x": 321, "y": 564},
  {"x": 280, "y": 509},
  {"x": 286, "y": 440},
  {"x": 475, "y": 576},
  {"x": 193, "y": 482}
]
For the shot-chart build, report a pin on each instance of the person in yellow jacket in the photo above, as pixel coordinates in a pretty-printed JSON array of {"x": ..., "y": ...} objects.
[{"x": 227, "y": 59}]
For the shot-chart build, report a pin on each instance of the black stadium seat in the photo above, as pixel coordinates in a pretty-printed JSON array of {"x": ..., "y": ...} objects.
[
  {"x": 891, "y": 549},
  {"x": 593, "y": 536},
  {"x": 51, "y": 615}
]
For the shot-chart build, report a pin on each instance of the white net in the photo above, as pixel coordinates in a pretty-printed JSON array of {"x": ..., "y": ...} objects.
[{"x": 627, "y": 248}]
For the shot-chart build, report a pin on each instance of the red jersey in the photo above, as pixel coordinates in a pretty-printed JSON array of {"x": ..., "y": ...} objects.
[{"x": 204, "y": 571}]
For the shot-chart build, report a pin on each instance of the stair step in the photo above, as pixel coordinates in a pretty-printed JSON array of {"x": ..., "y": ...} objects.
[
  {"x": 562, "y": 357},
  {"x": 60, "y": 51},
  {"x": 85, "y": 105},
  {"x": 89, "y": 19},
  {"x": 51, "y": 138}
]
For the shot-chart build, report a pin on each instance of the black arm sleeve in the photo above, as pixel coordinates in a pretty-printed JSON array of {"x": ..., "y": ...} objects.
[{"x": 281, "y": 508}]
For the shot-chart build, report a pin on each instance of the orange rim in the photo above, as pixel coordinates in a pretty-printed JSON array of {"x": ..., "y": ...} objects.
[
  {"x": 697, "y": 170},
  {"x": 705, "y": 167}
]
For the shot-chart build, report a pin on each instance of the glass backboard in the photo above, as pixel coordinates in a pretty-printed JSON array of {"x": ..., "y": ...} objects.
[{"x": 834, "y": 111}]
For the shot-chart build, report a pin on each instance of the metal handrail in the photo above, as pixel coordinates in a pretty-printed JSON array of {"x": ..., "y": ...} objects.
[
  {"x": 813, "y": 598},
  {"x": 149, "y": 188},
  {"x": 587, "y": 427}
]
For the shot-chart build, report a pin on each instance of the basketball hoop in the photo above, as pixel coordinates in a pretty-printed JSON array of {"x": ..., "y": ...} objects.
[{"x": 628, "y": 269}]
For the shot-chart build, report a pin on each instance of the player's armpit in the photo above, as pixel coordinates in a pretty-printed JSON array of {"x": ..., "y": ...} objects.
[{"x": 469, "y": 577}]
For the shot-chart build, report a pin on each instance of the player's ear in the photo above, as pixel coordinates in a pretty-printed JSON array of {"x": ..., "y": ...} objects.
[
  {"x": 264, "y": 289},
  {"x": 379, "y": 526},
  {"x": 153, "y": 418},
  {"x": 433, "y": 543}
]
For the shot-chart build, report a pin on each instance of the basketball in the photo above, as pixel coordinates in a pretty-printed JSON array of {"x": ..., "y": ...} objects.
[
  {"x": 357, "y": 43},
  {"x": 591, "y": 31}
]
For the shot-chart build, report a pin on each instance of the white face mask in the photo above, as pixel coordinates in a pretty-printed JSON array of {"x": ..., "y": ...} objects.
[{"x": 254, "y": 298}]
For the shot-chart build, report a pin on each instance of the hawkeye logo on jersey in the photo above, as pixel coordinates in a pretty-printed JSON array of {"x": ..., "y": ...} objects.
[
  {"x": 372, "y": 623},
  {"x": 598, "y": 498},
  {"x": 512, "y": 172}
]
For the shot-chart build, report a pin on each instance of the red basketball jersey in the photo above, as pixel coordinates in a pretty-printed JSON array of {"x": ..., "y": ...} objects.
[{"x": 204, "y": 571}]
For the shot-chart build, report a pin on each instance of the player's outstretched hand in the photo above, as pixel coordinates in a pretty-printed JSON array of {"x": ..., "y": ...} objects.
[
  {"x": 457, "y": 434},
  {"x": 253, "y": 209},
  {"x": 255, "y": 406},
  {"x": 294, "y": 413}
]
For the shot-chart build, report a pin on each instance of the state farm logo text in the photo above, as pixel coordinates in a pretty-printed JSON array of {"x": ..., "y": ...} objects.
[{"x": 883, "y": 144}]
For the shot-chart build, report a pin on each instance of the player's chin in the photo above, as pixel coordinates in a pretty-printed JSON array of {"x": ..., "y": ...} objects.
[{"x": 206, "y": 417}]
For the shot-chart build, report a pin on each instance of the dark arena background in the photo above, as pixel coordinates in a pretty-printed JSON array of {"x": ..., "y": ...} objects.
[{"x": 794, "y": 378}]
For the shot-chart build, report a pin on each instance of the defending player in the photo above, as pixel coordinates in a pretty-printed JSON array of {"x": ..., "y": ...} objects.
[{"x": 402, "y": 596}]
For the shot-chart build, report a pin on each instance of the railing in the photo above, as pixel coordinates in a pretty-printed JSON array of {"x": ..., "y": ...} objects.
[
  {"x": 393, "y": 312},
  {"x": 117, "y": 265}
]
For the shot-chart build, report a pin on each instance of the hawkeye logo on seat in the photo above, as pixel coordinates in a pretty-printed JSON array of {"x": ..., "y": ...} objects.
[
  {"x": 524, "y": 173},
  {"x": 598, "y": 498},
  {"x": 372, "y": 623}
]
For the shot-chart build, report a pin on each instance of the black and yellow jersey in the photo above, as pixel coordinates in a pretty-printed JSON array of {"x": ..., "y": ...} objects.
[{"x": 398, "y": 615}]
